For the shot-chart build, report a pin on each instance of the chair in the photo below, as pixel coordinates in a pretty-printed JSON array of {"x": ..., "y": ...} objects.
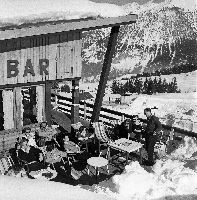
[
  {"x": 5, "y": 164},
  {"x": 101, "y": 134}
]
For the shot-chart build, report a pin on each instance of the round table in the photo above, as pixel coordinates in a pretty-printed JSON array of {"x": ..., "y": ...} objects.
[
  {"x": 97, "y": 162},
  {"x": 40, "y": 174}
]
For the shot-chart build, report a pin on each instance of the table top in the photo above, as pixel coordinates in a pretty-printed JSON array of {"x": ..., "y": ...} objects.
[
  {"x": 97, "y": 161},
  {"x": 85, "y": 138},
  {"x": 55, "y": 156},
  {"x": 44, "y": 174},
  {"x": 125, "y": 145}
]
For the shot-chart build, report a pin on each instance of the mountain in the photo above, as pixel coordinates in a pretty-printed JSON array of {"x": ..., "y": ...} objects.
[{"x": 163, "y": 36}]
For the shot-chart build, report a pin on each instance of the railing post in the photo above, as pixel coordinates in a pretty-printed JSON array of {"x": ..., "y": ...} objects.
[
  {"x": 75, "y": 102},
  {"x": 56, "y": 99},
  {"x": 171, "y": 134},
  {"x": 85, "y": 110},
  {"x": 122, "y": 118}
]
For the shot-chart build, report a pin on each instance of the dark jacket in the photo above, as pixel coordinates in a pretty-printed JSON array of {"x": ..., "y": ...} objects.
[
  {"x": 153, "y": 125},
  {"x": 33, "y": 155}
]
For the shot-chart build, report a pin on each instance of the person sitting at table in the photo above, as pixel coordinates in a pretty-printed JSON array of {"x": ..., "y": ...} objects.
[
  {"x": 30, "y": 135},
  {"x": 135, "y": 128},
  {"x": 70, "y": 146},
  {"x": 120, "y": 131},
  {"x": 41, "y": 135},
  {"x": 74, "y": 151},
  {"x": 30, "y": 155},
  {"x": 55, "y": 157}
]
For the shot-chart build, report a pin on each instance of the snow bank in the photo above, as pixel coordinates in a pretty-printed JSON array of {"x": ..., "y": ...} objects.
[
  {"x": 186, "y": 150},
  {"x": 23, "y": 11},
  {"x": 22, "y": 188},
  {"x": 168, "y": 177}
]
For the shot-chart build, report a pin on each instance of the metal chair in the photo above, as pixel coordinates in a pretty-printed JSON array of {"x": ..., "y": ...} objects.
[{"x": 5, "y": 164}]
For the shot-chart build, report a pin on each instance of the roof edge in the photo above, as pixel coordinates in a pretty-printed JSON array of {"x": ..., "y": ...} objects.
[{"x": 66, "y": 26}]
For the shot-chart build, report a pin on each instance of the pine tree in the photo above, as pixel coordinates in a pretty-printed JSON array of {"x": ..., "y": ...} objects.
[
  {"x": 114, "y": 87},
  {"x": 175, "y": 86},
  {"x": 131, "y": 86},
  {"x": 145, "y": 87},
  {"x": 165, "y": 85},
  {"x": 154, "y": 85},
  {"x": 159, "y": 86},
  {"x": 150, "y": 86}
]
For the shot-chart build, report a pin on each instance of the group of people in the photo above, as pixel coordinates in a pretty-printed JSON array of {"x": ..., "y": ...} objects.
[
  {"x": 35, "y": 149},
  {"x": 34, "y": 146},
  {"x": 134, "y": 129}
]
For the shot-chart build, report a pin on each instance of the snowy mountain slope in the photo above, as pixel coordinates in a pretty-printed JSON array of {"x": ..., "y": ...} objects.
[{"x": 164, "y": 35}]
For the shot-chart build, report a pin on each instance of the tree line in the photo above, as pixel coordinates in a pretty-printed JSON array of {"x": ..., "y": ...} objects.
[
  {"x": 183, "y": 68},
  {"x": 148, "y": 86}
]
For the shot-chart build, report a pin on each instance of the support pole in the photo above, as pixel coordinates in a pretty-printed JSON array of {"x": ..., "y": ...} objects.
[
  {"x": 48, "y": 106},
  {"x": 17, "y": 108},
  {"x": 105, "y": 73},
  {"x": 75, "y": 102},
  {"x": 85, "y": 110}
]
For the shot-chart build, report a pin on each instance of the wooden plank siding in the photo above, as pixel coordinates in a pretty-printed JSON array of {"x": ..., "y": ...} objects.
[{"x": 62, "y": 51}]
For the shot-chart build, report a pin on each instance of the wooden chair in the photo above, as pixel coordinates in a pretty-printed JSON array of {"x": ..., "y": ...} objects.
[
  {"x": 101, "y": 134},
  {"x": 5, "y": 164}
]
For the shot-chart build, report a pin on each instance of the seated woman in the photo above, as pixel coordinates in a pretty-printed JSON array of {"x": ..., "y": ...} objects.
[
  {"x": 70, "y": 146},
  {"x": 44, "y": 134},
  {"x": 73, "y": 151},
  {"x": 55, "y": 157},
  {"x": 40, "y": 135},
  {"x": 135, "y": 128},
  {"x": 30, "y": 156},
  {"x": 30, "y": 135}
]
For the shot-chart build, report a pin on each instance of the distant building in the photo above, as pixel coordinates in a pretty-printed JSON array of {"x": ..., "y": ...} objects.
[{"x": 112, "y": 98}]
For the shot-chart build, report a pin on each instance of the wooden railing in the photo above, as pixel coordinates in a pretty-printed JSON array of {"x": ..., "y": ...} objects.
[{"x": 107, "y": 115}]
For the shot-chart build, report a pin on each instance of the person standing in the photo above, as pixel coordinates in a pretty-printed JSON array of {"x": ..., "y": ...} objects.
[{"x": 152, "y": 131}]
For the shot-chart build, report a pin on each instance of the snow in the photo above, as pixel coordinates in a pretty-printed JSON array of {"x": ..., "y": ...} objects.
[
  {"x": 22, "y": 11},
  {"x": 168, "y": 177},
  {"x": 13, "y": 188}
]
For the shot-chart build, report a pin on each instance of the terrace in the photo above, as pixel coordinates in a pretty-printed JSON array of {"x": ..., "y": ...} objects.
[{"x": 35, "y": 55}]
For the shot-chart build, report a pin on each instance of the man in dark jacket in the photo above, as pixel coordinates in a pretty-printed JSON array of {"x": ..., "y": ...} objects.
[{"x": 152, "y": 131}]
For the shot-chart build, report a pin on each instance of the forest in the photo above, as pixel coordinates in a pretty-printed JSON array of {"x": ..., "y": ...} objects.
[{"x": 147, "y": 86}]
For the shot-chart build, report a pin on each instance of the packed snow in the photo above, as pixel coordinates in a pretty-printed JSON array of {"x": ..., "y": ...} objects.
[{"x": 13, "y": 188}]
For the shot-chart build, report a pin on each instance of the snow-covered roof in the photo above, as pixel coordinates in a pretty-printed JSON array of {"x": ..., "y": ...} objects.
[
  {"x": 63, "y": 25},
  {"x": 20, "y": 11},
  {"x": 61, "y": 15}
]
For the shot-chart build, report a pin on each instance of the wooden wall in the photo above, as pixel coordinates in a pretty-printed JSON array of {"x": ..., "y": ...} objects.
[{"x": 60, "y": 52}]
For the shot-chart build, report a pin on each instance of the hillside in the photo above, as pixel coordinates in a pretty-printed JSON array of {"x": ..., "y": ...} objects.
[{"x": 164, "y": 36}]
